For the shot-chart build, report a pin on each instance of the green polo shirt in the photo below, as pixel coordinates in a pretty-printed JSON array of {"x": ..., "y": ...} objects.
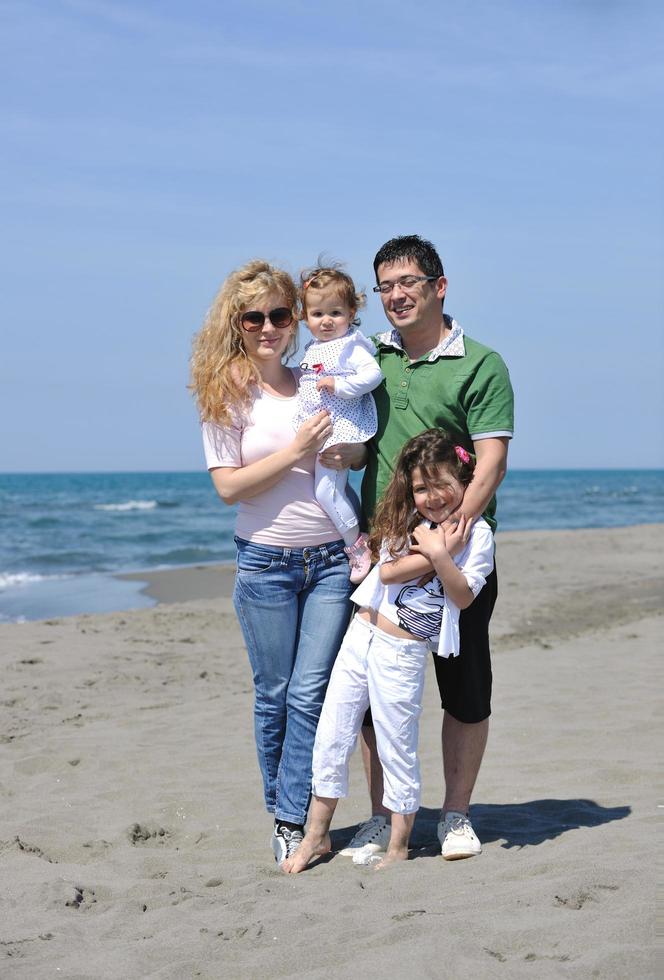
[{"x": 467, "y": 393}]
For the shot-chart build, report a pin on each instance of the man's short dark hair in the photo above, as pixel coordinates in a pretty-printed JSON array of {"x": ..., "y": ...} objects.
[{"x": 410, "y": 247}]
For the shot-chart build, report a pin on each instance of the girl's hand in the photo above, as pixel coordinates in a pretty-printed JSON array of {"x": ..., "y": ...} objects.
[
  {"x": 312, "y": 434},
  {"x": 428, "y": 541},
  {"x": 325, "y": 384},
  {"x": 456, "y": 534}
]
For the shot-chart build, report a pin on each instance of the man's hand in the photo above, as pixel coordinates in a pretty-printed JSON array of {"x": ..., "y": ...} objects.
[
  {"x": 490, "y": 469},
  {"x": 325, "y": 384},
  {"x": 344, "y": 456},
  {"x": 457, "y": 533}
]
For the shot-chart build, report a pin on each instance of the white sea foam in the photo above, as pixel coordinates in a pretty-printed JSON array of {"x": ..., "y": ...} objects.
[
  {"x": 129, "y": 505},
  {"x": 9, "y": 580}
]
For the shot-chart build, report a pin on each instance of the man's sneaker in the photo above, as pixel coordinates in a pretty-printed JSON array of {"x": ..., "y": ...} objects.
[
  {"x": 359, "y": 559},
  {"x": 372, "y": 837},
  {"x": 457, "y": 837},
  {"x": 285, "y": 841}
]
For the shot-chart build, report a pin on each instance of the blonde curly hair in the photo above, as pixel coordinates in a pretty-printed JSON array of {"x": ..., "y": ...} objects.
[{"x": 222, "y": 374}]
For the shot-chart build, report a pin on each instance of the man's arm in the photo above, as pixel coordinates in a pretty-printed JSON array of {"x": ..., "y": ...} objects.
[{"x": 490, "y": 468}]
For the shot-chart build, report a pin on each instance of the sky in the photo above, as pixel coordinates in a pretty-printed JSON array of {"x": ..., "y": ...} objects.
[{"x": 149, "y": 148}]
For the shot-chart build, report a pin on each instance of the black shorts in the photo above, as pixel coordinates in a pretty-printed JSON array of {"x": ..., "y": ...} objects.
[{"x": 464, "y": 682}]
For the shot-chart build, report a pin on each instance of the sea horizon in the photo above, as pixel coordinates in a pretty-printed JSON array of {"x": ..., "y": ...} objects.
[
  {"x": 66, "y": 536},
  {"x": 512, "y": 469}
]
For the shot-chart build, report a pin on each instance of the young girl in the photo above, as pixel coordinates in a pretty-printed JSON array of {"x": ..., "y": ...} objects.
[
  {"x": 430, "y": 567},
  {"x": 338, "y": 374}
]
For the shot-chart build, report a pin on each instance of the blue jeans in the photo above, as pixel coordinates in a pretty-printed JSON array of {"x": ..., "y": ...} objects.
[{"x": 293, "y": 607}]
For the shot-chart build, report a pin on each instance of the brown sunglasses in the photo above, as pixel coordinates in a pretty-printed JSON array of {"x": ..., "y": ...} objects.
[{"x": 253, "y": 320}]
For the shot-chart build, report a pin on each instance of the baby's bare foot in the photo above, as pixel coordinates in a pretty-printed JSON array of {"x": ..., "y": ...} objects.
[
  {"x": 392, "y": 855},
  {"x": 312, "y": 846}
]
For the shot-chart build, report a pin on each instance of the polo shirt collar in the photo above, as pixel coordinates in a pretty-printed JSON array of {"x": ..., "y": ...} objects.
[{"x": 450, "y": 346}]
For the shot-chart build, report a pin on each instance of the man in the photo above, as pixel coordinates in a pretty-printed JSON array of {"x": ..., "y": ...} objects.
[{"x": 435, "y": 375}]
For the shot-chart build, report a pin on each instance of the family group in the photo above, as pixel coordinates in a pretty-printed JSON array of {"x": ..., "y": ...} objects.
[{"x": 427, "y": 412}]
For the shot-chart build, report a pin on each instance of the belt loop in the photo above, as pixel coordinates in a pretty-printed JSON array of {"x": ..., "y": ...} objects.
[
  {"x": 285, "y": 558},
  {"x": 324, "y": 552}
]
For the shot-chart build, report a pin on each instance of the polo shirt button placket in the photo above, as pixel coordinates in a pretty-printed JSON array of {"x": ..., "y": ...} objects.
[{"x": 401, "y": 399}]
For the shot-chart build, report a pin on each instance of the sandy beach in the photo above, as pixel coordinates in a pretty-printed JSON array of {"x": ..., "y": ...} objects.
[{"x": 134, "y": 841}]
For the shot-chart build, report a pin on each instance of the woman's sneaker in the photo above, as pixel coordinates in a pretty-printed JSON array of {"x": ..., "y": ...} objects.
[
  {"x": 371, "y": 837},
  {"x": 457, "y": 837},
  {"x": 285, "y": 841},
  {"x": 359, "y": 559}
]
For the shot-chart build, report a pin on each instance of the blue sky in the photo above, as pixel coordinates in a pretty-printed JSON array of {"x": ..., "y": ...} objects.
[{"x": 151, "y": 147}]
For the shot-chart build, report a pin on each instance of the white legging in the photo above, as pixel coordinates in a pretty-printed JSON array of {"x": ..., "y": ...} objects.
[
  {"x": 330, "y": 491},
  {"x": 383, "y": 671}
]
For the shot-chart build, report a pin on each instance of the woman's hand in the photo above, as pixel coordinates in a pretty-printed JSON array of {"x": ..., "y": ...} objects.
[
  {"x": 234, "y": 483},
  {"x": 326, "y": 384},
  {"x": 312, "y": 434},
  {"x": 345, "y": 456}
]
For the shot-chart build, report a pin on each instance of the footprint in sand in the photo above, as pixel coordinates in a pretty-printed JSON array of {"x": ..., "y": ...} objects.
[
  {"x": 82, "y": 898},
  {"x": 33, "y": 849},
  {"x": 253, "y": 931},
  {"x": 144, "y": 834},
  {"x": 94, "y": 849},
  {"x": 577, "y": 899}
]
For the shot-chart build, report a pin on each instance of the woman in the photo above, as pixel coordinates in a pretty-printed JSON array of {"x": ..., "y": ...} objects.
[{"x": 292, "y": 585}]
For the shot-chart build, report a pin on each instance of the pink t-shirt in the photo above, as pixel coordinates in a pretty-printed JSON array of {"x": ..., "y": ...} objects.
[{"x": 286, "y": 515}]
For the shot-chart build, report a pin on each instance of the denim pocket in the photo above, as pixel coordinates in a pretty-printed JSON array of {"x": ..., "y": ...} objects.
[{"x": 253, "y": 560}]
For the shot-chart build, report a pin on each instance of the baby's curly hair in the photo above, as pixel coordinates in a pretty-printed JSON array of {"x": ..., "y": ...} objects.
[
  {"x": 331, "y": 276},
  {"x": 396, "y": 518}
]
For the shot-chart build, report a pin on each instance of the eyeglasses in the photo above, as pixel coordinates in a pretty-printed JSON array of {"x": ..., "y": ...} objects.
[
  {"x": 280, "y": 318},
  {"x": 405, "y": 282}
]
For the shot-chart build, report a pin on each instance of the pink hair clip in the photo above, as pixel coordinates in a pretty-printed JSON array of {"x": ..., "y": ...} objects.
[{"x": 462, "y": 453}]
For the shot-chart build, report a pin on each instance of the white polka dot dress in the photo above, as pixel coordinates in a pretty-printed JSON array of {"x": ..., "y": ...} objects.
[{"x": 353, "y": 418}]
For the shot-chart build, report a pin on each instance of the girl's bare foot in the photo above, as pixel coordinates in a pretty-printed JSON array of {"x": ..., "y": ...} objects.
[
  {"x": 312, "y": 846},
  {"x": 392, "y": 855}
]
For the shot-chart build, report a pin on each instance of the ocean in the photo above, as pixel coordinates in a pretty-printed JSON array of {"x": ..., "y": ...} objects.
[{"x": 63, "y": 536}]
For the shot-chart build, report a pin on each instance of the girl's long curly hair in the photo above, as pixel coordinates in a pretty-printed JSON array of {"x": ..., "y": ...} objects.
[
  {"x": 221, "y": 373},
  {"x": 396, "y": 517}
]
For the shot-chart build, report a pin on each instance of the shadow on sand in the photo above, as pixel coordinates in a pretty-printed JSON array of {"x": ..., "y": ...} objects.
[{"x": 515, "y": 824}]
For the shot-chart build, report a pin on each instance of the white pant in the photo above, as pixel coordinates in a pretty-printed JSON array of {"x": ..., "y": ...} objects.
[{"x": 387, "y": 673}]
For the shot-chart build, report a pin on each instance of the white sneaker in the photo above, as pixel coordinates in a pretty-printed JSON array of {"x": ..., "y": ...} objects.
[
  {"x": 371, "y": 837},
  {"x": 457, "y": 837}
]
